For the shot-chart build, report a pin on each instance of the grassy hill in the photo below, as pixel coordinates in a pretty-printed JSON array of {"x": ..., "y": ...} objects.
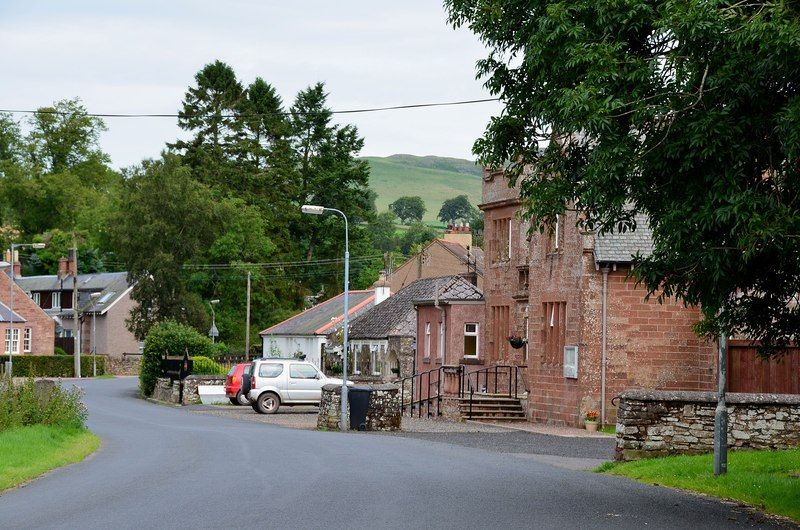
[{"x": 433, "y": 178}]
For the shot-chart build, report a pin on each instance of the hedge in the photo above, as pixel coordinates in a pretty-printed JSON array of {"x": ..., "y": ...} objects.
[
  {"x": 54, "y": 365},
  {"x": 205, "y": 366},
  {"x": 169, "y": 339}
]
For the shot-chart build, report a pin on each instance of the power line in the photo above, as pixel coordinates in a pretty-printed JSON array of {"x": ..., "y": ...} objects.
[
  {"x": 250, "y": 115},
  {"x": 276, "y": 264}
]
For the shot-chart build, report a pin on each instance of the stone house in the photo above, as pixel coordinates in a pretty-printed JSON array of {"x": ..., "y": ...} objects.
[
  {"x": 27, "y": 329},
  {"x": 452, "y": 254},
  {"x": 308, "y": 332},
  {"x": 590, "y": 333},
  {"x": 104, "y": 303},
  {"x": 450, "y": 325},
  {"x": 383, "y": 339}
]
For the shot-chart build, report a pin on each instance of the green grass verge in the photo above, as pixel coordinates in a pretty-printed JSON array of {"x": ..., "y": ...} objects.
[
  {"x": 769, "y": 480},
  {"x": 105, "y": 376},
  {"x": 609, "y": 429},
  {"x": 28, "y": 452}
]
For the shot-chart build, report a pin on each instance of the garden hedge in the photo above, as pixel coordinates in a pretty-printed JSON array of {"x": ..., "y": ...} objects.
[{"x": 54, "y": 365}]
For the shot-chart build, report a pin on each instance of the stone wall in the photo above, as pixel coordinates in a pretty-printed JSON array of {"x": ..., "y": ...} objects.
[
  {"x": 163, "y": 390},
  {"x": 190, "y": 384},
  {"x": 383, "y": 412},
  {"x": 124, "y": 365},
  {"x": 657, "y": 423}
]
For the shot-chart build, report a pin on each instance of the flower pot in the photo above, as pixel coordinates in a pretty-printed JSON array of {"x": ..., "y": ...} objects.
[
  {"x": 591, "y": 426},
  {"x": 517, "y": 343}
]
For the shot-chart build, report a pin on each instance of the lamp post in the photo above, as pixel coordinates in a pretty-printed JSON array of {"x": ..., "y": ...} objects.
[
  {"x": 319, "y": 210},
  {"x": 213, "y": 332},
  {"x": 94, "y": 297},
  {"x": 14, "y": 246}
]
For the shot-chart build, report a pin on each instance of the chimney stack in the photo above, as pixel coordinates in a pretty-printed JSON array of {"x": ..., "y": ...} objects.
[
  {"x": 17, "y": 267},
  {"x": 73, "y": 262},
  {"x": 63, "y": 268},
  {"x": 382, "y": 289},
  {"x": 461, "y": 234}
]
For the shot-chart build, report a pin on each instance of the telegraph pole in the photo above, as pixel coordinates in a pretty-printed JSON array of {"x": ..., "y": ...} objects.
[
  {"x": 247, "y": 323},
  {"x": 721, "y": 414}
]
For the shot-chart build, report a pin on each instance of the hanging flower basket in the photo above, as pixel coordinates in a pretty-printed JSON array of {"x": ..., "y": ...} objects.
[{"x": 517, "y": 342}]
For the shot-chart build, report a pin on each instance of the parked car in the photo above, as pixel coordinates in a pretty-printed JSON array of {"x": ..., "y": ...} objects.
[
  {"x": 275, "y": 382},
  {"x": 233, "y": 384}
]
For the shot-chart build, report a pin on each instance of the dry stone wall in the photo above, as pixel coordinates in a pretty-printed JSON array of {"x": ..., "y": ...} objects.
[
  {"x": 383, "y": 411},
  {"x": 656, "y": 423},
  {"x": 190, "y": 394}
]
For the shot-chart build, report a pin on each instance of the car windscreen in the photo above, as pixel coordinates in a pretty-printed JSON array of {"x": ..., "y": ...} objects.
[{"x": 270, "y": 370}]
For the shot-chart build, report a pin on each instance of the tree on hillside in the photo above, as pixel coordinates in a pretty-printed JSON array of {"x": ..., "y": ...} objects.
[
  {"x": 685, "y": 112},
  {"x": 382, "y": 230},
  {"x": 455, "y": 209},
  {"x": 417, "y": 235},
  {"x": 408, "y": 208}
]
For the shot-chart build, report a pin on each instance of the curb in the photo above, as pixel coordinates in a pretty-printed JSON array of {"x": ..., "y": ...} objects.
[{"x": 562, "y": 435}]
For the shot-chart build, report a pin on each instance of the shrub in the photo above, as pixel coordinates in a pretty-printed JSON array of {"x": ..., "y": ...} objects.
[
  {"x": 58, "y": 350},
  {"x": 40, "y": 402},
  {"x": 169, "y": 339},
  {"x": 55, "y": 366},
  {"x": 205, "y": 366}
]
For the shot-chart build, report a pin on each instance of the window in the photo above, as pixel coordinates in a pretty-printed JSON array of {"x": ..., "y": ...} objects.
[
  {"x": 427, "y": 351},
  {"x": 571, "y": 362},
  {"x": 554, "y": 330},
  {"x": 523, "y": 280},
  {"x": 302, "y": 371},
  {"x": 106, "y": 297},
  {"x": 67, "y": 333},
  {"x": 471, "y": 339},
  {"x": 26, "y": 340},
  {"x": 553, "y": 244},
  {"x": 375, "y": 360},
  {"x": 525, "y": 324},
  {"x": 37, "y": 298},
  {"x": 499, "y": 331},
  {"x": 12, "y": 340},
  {"x": 56, "y": 300},
  {"x": 501, "y": 239},
  {"x": 270, "y": 370},
  {"x": 440, "y": 349}
]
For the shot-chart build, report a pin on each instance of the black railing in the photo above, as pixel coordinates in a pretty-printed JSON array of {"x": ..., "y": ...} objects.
[
  {"x": 501, "y": 379},
  {"x": 424, "y": 391}
]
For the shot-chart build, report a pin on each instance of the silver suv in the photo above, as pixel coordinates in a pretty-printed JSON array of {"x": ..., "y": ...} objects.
[{"x": 275, "y": 382}]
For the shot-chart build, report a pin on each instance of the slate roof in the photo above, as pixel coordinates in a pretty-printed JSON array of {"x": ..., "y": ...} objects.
[
  {"x": 395, "y": 316},
  {"x": 320, "y": 319},
  {"x": 6, "y": 314},
  {"x": 110, "y": 285},
  {"x": 456, "y": 289},
  {"x": 621, "y": 247},
  {"x": 475, "y": 254}
]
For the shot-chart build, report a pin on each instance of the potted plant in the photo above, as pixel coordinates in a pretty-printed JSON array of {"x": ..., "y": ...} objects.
[
  {"x": 590, "y": 420},
  {"x": 517, "y": 342}
]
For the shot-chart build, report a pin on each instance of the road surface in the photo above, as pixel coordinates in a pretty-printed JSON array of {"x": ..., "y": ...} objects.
[{"x": 163, "y": 467}]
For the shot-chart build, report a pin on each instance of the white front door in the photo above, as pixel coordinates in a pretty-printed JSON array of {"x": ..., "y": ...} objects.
[{"x": 305, "y": 383}]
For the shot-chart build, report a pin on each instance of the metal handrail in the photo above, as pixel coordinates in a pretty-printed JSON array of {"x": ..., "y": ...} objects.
[
  {"x": 422, "y": 401},
  {"x": 512, "y": 389}
]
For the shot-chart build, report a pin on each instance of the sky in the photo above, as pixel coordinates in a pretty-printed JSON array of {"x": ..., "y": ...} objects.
[{"x": 141, "y": 56}]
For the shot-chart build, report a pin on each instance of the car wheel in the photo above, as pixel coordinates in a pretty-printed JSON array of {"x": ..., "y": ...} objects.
[
  {"x": 233, "y": 401},
  {"x": 268, "y": 403},
  {"x": 241, "y": 399}
]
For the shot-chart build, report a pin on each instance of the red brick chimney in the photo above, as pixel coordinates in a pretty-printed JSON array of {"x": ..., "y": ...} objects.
[
  {"x": 17, "y": 265},
  {"x": 63, "y": 268}
]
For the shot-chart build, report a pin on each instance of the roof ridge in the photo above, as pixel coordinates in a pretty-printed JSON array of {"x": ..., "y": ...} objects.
[{"x": 317, "y": 306}]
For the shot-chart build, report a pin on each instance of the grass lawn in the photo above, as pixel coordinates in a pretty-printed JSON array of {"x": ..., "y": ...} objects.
[
  {"x": 769, "y": 480},
  {"x": 609, "y": 429},
  {"x": 30, "y": 451}
]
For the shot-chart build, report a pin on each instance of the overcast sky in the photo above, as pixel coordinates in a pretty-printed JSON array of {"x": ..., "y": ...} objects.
[{"x": 139, "y": 57}]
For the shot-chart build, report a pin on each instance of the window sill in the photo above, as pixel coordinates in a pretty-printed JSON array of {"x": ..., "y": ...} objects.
[
  {"x": 471, "y": 360},
  {"x": 426, "y": 360}
]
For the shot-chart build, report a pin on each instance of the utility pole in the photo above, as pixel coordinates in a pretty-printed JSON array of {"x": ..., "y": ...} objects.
[
  {"x": 247, "y": 322},
  {"x": 76, "y": 335},
  {"x": 721, "y": 414}
]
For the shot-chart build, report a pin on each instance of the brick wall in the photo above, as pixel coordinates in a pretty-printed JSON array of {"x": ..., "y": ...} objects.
[{"x": 42, "y": 326}]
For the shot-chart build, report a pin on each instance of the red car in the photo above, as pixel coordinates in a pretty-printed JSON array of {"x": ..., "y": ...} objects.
[{"x": 233, "y": 385}]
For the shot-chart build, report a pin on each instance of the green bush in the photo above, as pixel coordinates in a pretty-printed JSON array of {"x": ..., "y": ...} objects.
[
  {"x": 55, "y": 366},
  {"x": 205, "y": 366},
  {"x": 40, "y": 402},
  {"x": 169, "y": 339},
  {"x": 58, "y": 350}
]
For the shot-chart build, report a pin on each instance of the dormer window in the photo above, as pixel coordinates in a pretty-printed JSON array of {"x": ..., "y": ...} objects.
[{"x": 56, "y": 297}]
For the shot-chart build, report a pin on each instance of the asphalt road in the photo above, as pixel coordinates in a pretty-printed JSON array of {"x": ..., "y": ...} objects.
[{"x": 163, "y": 467}]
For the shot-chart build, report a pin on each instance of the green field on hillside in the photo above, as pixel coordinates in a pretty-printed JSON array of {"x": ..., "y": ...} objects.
[{"x": 435, "y": 179}]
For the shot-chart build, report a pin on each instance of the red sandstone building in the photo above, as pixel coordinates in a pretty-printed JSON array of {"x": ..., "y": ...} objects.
[
  {"x": 27, "y": 329},
  {"x": 568, "y": 294}
]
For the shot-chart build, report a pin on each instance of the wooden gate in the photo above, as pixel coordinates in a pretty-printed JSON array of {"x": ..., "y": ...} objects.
[
  {"x": 747, "y": 372},
  {"x": 67, "y": 344}
]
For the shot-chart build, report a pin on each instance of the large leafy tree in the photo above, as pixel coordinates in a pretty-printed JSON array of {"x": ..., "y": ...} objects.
[
  {"x": 686, "y": 112},
  {"x": 408, "y": 208},
  {"x": 457, "y": 208}
]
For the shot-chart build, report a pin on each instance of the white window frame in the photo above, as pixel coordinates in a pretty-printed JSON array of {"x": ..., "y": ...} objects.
[
  {"x": 440, "y": 348},
  {"x": 37, "y": 298},
  {"x": 26, "y": 340},
  {"x": 427, "y": 353},
  {"x": 558, "y": 227},
  {"x": 374, "y": 354},
  {"x": 12, "y": 341},
  {"x": 56, "y": 300},
  {"x": 475, "y": 334},
  {"x": 571, "y": 361},
  {"x": 509, "y": 238}
]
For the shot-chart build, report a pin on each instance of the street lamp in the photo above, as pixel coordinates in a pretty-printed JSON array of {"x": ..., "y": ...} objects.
[
  {"x": 94, "y": 297},
  {"x": 14, "y": 246},
  {"x": 213, "y": 332},
  {"x": 319, "y": 210}
]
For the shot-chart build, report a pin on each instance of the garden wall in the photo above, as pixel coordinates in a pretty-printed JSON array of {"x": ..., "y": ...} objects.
[
  {"x": 654, "y": 423},
  {"x": 383, "y": 412}
]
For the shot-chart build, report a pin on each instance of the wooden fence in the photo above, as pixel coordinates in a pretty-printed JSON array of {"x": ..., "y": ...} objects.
[{"x": 747, "y": 372}]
